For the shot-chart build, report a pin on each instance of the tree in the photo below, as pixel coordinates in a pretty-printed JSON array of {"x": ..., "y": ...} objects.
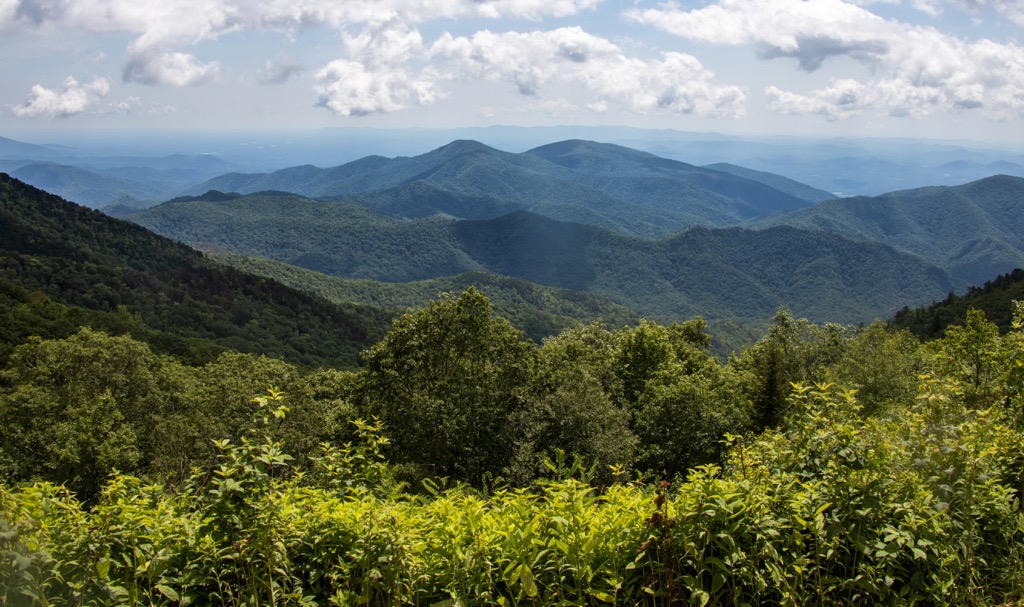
[
  {"x": 79, "y": 408},
  {"x": 451, "y": 383},
  {"x": 972, "y": 354},
  {"x": 794, "y": 351},
  {"x": 576, "y": 386},
  {"x": 882, "y": 365}
]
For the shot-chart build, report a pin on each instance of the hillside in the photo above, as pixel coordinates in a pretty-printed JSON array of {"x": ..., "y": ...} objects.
[
  {"x": 995, "y": 298},
  {"x": 91, "y": 265},
  {"x": 715, "y": 273},
  {"x": 780, "y": 183},
  {"x": 974, "y": 231},
  {"x": 536, "y": 310},
  {"x": 86, "y": 187},
  {"x": 631, "y": 192}
]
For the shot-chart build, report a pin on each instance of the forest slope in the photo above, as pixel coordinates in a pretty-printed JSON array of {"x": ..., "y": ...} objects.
[
  {"x": 717, "y": 273},
  {"x": 995, "y": 298},
  {"x": 974, "y": 231},
  {"x": 81, "y": 258},
  {"x": 537, "y": 310}
]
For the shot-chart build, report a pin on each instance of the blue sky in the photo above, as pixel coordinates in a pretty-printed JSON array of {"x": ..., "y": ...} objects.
[{"x": 947, "y": 69}]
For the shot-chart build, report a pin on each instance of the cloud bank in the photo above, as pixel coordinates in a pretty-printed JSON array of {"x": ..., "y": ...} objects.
[
  {"x": 918, "y": 70},
  {"x": 383, "y": 64}
]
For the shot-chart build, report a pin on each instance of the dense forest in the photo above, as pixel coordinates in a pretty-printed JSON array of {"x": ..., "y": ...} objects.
[
  {"x": 720, "y": 273},
  {"x": 176, "y": 432},
  {"x": 995, "y": 298},
  {"x": 62, "y": 266},
  {"x": 466, "y": 464}
]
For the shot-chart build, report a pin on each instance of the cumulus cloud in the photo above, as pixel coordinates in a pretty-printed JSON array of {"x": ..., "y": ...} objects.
[
  {"x": 917, "y": 70},
  {"x": 155, "y": 66},
  {"x": 388, "y": 67},
  {"x": 73, "y": 98},
  {"x": 676, "y": 83},
  {"x": 348, "y": 88},
  {"x": 373, "y": 78},
  {"x": 164, "y": 30}
]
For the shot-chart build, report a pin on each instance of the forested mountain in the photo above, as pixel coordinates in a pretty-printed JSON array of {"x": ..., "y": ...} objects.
[
  {"x": 537, "y": 310},
  {"x": 730, "y": 273},
  {"x": 86, "y": 187},
  {"x": 974, "y": 231},
  {"x": 780, "y": 183},
  {"x": 995, "y": 298},
  {"x": 632, "y": 192},
  {"x": 62, "y": 265},
  {"x": 99, "y": 182}
]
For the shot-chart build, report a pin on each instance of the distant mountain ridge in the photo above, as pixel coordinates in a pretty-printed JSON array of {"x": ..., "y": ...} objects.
[
  {"x": 974, "y": 231},
  {"x": 731, "y": 273},
  {"x": 783, "y": 184},
  {"x": 632, "y": 192}
]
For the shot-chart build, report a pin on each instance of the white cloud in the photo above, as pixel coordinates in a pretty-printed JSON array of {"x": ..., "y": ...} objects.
[
  {"x": 156, "y": 66},
  {"x": 348, "y": 88},
  {"x": 374, "y": 77},
  {"x": 135, "y": 105},
  {"x": 677, "y": 83},
  {"x": 809, "y": 32},
  {"x": 164, "y": 29},
  {"x": 917, "y": 70},
  {"x": 387, "y": 68},
  {"x": 73, "y": 98}
]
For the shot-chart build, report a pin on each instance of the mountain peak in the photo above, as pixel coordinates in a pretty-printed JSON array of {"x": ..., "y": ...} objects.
[{"x": 464, "y": 146}]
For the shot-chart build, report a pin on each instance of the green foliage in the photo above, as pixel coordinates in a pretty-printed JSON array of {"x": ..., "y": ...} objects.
[
  {"x": 995, "y": 298},
  {"x": 113, "y": 275},
  {"x": 77, "y": 410},
  {"x": 727, "y": 273},
  {"x": 451, "y": 383},
  {"x": 793, "y": 351},
  {"x": 832, "y": 508},
  {"x": 82, "y": 408},
  {"x": 578, "y": 408},
  {"x": 907, "y": 497},
  {"x": 882, "y": 365}
]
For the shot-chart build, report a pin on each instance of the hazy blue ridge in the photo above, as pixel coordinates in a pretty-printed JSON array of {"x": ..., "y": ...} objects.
[
  {"x": 974, "y": 231},
  {"x": 635, "y": 193},
  {"x": 783, "y": 184}
]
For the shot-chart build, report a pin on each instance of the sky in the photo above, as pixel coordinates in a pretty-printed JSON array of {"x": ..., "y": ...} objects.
[{"x": 937, "y": 69}]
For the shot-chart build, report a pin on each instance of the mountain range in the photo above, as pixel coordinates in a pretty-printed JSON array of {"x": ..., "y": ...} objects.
[
  {"x": 974, "y": 231},
  {"x": 718, "y": 273},
  {"x": 624, "y": 190},
  {"x": 635, "y": 232}
]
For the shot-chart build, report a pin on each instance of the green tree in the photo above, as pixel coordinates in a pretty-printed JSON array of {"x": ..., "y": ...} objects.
[
  {"x": 576, "y": 386},
  {"x": 882, "y": 365},
  {"x": 451, "y": 383},
  {"x": 77, "y": 409},
  {"x": 972, "y": 354},
  {"x": 684, "y": 413},
  {"x": 793, "y": 351}
]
